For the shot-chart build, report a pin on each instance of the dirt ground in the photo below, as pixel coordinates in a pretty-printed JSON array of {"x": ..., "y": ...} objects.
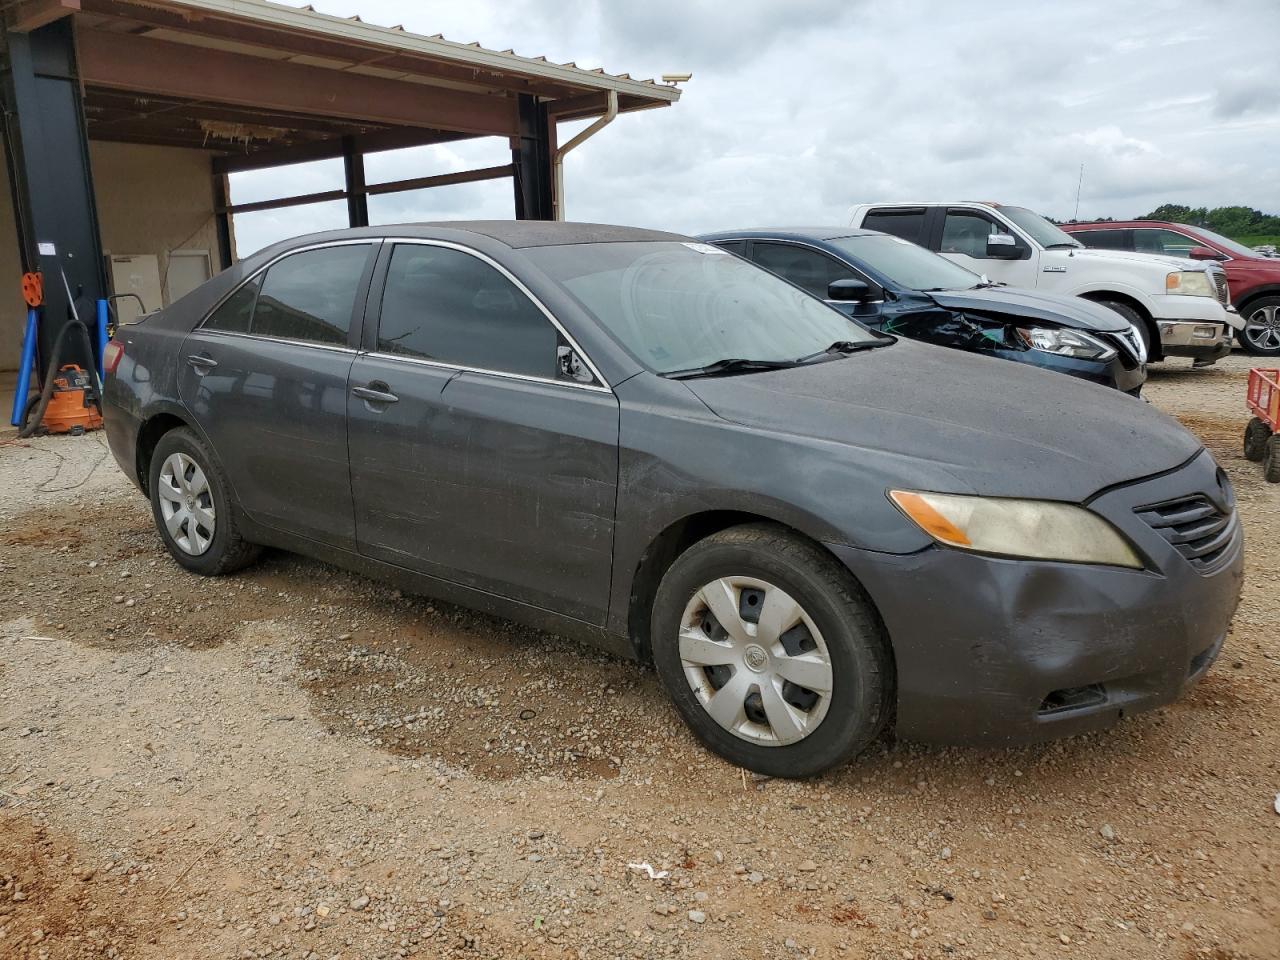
[{"x": 295, "y": 762}]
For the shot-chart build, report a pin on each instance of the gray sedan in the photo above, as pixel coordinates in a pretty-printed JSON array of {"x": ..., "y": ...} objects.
[{"x": 812, "y": 530}]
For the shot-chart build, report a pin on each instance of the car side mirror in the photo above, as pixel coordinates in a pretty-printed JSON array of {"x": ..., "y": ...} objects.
[
  {"x": 1204, "y": 253},
  {"x": 1003, "y": 246},
  {"x": 849, "y": 290}
]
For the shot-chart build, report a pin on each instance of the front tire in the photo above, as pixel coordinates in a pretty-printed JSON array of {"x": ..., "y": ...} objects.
[
  {"x": 1261, "y": 334},
  {"x": 1134, "y": 318},
  {"x": 191, "y": 504},
  {"x": 1256, "y": 435},
  {"x": 771, "y": 652}
]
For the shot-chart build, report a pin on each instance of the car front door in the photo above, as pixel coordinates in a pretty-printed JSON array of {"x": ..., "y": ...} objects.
[
  {"x": 484, "y": 450},
  {"x": 265, "y": 377},
  {"x": 964, "y": 241}
]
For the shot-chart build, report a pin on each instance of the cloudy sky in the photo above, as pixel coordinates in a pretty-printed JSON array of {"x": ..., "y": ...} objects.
[{"x": 800, "y": 108}]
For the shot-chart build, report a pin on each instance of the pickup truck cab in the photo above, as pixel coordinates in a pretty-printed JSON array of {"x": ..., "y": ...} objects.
[
  {"x": 1179, "y": 305},
  {"x": 1253, "y": 277}
]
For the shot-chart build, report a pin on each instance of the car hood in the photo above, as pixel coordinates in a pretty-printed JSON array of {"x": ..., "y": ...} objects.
[
  {"x": 1072, "y": 312},
  {"x": 1169, "y": 263},
  {"x": 953, "y": 422}
]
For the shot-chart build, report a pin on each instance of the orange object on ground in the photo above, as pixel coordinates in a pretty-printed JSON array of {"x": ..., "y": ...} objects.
[
  {"x": 71, "y": 406},
  {"x": 1264, "y": 396}
]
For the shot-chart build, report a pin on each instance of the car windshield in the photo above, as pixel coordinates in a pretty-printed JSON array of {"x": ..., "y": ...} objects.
[
  {"x": 1040, "y": 230},
  {"x": 906, "y": 264},
  {"x": 682, "y": 306},
  {"x": 1237, "y": 249}
]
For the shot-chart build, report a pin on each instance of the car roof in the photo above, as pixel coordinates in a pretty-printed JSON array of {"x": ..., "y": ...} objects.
[
  {"x": 791, "y": 233},
  {"x": 1126, "y": 224},
  {"x": 514, "y": 234}
]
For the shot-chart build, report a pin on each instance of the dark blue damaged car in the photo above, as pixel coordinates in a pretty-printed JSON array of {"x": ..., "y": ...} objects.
[
  {"x": 812, "y": 530},
  {"x": 895, "y": 286}
]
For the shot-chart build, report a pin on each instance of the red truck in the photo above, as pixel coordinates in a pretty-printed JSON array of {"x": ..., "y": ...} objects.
[{"x": 1253, "y": 278}]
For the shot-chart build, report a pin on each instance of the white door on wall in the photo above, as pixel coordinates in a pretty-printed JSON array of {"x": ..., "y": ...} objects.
[
  {"x": 187, "y": 270},
  {"x": 138, "y": 274}
]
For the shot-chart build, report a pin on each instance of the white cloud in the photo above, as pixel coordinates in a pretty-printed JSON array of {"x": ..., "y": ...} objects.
[{"x": 797, "y": 110}]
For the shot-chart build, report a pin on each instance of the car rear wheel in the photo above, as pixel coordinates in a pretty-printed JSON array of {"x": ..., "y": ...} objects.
[
  {"x": 1261, "y": 333},
  {"x": 189, "y": 500},
  {"x": 1256, "y": 435},
  {"x": 771, "y": 652}
]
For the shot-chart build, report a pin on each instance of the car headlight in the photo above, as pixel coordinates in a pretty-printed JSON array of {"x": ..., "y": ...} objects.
[
  {"x": 1030, "y": 529},
  {"x": 1065, "y": 343},
  {"x": 1189, "y": 283}
]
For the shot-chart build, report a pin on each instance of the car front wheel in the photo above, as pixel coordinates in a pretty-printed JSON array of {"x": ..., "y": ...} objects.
[
  {"x": 1261, "y": 333},
  {"x": 189, "y": 500},
  {"x": 771, "y": 652}
]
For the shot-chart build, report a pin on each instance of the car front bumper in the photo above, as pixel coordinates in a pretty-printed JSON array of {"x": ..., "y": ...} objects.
[
  {"x": 1203, "y": 341},
  {"x": 998, "y": 651}
]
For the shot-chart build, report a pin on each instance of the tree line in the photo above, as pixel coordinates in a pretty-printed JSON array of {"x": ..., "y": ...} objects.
[{"x": 1228, "y": 221}]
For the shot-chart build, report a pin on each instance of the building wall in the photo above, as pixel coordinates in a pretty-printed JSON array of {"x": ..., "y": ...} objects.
[{"x": 151, "y": 200}]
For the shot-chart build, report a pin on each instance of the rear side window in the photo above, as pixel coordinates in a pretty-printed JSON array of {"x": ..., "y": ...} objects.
[
  {"x": 445, "y": 305},
  {"x": 904, "y": 222},
  {"x": 311, "y": 295},
  {"x": 808, "y": 269},
  {"x": 236, "y": 311},
  {"x": 1103, "y": 239}
]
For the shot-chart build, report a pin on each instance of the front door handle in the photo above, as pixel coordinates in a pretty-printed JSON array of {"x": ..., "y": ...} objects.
[
  {"x": 375, "y": 392},
  {"x": 201, "y": 363}
]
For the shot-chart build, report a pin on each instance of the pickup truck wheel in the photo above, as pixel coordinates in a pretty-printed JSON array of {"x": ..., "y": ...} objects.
[
  {"x": 1256, "y": 435},
  {"x": 771, "y": 652},
  {"x": 1134, "y": 318},
  {"x": 1261, "y": 333}
]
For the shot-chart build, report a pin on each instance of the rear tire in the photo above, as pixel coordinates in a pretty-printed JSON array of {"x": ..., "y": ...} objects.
[
  {"x": 813, "y": 623},
  {"x": 1256, "y": 435},
  {"x": 190, "y": 501},
  {"x": 1271, "y": 460},
  {"x": 1261, "y": 334}
]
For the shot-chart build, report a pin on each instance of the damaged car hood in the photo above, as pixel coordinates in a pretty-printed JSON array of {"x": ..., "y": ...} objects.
[
  {"x": 992, "y": 427},
  {"x": 1014, "y": 302}
]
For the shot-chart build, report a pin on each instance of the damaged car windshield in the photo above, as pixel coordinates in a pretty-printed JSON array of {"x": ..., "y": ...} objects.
[
  {"x": 906, "y": 264},
  {"x": 684, "y": 306}
]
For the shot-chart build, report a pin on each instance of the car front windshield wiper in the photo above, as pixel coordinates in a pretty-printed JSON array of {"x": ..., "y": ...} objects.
[
  {"x": 1065, "y": 246},
  {"x": 843, "y": 347},
  {"x": 728, "y": 366}
]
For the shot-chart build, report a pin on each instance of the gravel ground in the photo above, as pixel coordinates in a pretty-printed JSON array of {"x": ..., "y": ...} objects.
[{"x": 295, "y": 762}]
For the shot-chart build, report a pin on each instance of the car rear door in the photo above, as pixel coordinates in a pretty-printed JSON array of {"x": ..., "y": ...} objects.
[
  {"x": 484, "y": 450},
  {"x": 265, "y": 377}
]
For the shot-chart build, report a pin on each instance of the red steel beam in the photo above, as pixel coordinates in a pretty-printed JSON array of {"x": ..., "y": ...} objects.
[{"x": 159, "y": 67}]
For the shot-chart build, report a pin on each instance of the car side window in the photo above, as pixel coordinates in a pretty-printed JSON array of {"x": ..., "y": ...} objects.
[
  {"x": 966, "y": 232},
  {"x": 442, "y": 304},
  {"x": 236, "y": 312},
  {"x": 808, "y": 269},
  {"x": 1104, "y": 239},
  {"x": 904, "y": 222},
  {"x": 311, "y": 296},
  {"x": 733, "y": 246},
  {"x": 1168, "y": 242}
]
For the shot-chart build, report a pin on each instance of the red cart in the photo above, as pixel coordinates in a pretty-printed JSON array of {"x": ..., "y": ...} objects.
[{"x": 1262, "y": 435}]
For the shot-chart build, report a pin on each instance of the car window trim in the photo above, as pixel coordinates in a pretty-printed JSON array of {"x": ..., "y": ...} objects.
[
  {"x": 602, "y": 384},
  {"x": 214, "y": 332},
  {"x": 365, "y": 276}
]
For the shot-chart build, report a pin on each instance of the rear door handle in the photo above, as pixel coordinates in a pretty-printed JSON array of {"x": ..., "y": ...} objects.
[
  {"x": 376, "y": 392},
  {"x": 201, "y": 363}
]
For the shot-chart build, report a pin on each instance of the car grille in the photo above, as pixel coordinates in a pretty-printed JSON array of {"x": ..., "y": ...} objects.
[
  {"x": 1220, "y": 285},
  {"x": 1197, "y": 528}
]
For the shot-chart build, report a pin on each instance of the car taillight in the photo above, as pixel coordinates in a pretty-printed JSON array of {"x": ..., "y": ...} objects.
[{"x": 112, "y": 356}]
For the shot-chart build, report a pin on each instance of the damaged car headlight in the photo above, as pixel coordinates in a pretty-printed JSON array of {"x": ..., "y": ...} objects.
[
  {"x": 1189, "y": 283},
  {"x": 1030, "y": 529},
  {"x": 1065, "y": 343}
]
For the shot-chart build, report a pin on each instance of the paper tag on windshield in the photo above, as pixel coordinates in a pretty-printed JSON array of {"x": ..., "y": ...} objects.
[{"x": 706, "y": 248}]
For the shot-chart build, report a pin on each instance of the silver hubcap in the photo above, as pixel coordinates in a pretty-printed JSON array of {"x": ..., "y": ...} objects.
[
  {"x": 755, "y": 660},
  {"x": 186, "y": 504},
  {"x": 1262, "y": 328}
]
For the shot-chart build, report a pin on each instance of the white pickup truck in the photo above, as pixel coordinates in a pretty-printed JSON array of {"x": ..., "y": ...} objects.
[{"x": 1179, "y": 307}]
